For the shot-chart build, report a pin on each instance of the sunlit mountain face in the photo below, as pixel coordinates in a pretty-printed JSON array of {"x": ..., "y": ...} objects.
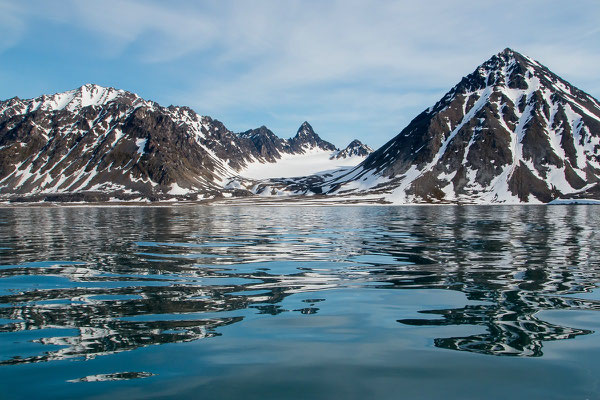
[{"x": 510, "y": 132}]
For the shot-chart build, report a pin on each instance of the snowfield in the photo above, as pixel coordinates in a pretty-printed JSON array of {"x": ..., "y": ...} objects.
[{"x": 313, "y": 161}]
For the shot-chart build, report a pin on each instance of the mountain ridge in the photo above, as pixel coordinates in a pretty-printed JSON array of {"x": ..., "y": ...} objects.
[
  {"x": 94, "y": 143},
  {"x": 511, "y": 131}
]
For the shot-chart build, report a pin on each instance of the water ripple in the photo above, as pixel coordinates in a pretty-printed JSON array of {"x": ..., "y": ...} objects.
[{"x": 82, "y": 283}]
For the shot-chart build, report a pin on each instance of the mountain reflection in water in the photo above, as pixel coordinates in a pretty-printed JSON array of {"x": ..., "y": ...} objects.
[{"x": 91, "y": 281}]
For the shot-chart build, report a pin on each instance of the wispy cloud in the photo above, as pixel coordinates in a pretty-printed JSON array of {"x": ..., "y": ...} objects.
[
  {"x": 12, "y": 25},
  {"x": 341, "y": 60}
]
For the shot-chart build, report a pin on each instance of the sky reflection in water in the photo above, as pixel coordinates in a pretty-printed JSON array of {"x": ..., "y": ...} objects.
[{"x": 78, "y": 283}]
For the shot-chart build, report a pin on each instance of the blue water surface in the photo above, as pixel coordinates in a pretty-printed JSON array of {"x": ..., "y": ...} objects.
[{"x": 454, "y": 302}]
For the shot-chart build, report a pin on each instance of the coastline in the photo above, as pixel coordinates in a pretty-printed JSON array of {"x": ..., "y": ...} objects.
[{"x": 288, "y": 201}]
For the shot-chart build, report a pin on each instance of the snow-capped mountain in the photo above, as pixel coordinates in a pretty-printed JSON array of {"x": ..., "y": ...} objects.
[
  {"x": 267, "y": 144},
  {"x": 510, "y": 132},
  {"x": 94, "y": 143},
  {"x": 356, "y": 148},
  {"x": 307, "y": 139}
]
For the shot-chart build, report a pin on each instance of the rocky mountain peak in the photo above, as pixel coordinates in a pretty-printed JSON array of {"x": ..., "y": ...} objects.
[
  {"x": 355, "y": 149},
  {"x": 264, "y": 144},
  {"x": 305, "y": 130},
  {"x": 260, "y": 131},
  {"x": 511, "y": 131},
  {"x": 356, "y": 144},
  {"x": 307, "y": 139},
  {"x": 88, "y": 95}
]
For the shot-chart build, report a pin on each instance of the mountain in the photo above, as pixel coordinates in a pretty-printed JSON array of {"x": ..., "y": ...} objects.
[
  {"x": 102, "y": 140},
  {"x": 355, "y": 149},
  {"x": 95, "y": 143},
  {"x": 510, "y": 132},
  {"x": 307, "y": 139},
  {"x": 271, "y": 147}
]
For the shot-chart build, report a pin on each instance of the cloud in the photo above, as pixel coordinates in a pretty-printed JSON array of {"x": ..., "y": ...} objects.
[
  {"x": 338, "y": 59},
  {"x": 11, "y": 26},
  {"x": 294, "y": 43},
  {"x": 266, "y": 49}
]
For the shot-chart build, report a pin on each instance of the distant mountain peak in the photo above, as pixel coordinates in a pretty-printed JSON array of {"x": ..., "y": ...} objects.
[
  {"x": 305, "y": 130},
  {"x": 260, "y": 131},
  {"x": 84, "y": 96},
  {"x": 356, "y": 143},
  {"x": 94, "y": 87},
  {"x": 356, "y": 148},
  {"x": 307, "y": 139}
]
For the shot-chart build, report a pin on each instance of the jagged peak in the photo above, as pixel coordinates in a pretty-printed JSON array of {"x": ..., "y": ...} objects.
[
  {"x": 305, "y": 129},
  {"x": 355, "y": 143},
  {"x": 508, "y": 52},
  {"x": 354, "y": 148},
  {"x": 514, "y": 56},
  {"x": 502, "y": 59},
  {"x": 261, "y": 131},
  {"x": 94, "y": 87},
  {"x": 94, "y": 90},
  {"x": 89, "y": 94},
  {"x": 509, "y": 70},
  {"x": 306, "y": 137}
]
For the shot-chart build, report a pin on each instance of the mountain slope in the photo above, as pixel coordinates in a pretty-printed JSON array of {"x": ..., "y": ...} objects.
[
  {"x": 106, "y": 140},
  {"x": 510, "y": 132}
]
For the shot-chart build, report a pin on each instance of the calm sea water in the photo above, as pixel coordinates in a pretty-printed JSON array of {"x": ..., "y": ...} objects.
[{"x": 300, "y": 302}]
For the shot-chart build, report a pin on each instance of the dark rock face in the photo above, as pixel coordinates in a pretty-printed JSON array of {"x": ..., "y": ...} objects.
[
  {"x": 512, "y": 131},
  {"x": 266, "y": 144}
]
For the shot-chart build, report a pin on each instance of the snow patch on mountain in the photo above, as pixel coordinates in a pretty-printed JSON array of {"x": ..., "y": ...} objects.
[
  {"x": 312, "y": 161},
  {"x": 141, "y": 145}
]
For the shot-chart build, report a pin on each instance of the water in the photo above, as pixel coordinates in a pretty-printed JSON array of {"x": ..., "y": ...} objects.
[{"x": 300, "y": 302}]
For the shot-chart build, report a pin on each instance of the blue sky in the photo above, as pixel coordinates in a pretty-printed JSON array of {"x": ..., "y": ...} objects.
[{"x": 354, "y": 69}]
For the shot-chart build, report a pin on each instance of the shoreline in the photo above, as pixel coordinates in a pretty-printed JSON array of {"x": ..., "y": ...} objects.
[{"x": 276, "y": 202}]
